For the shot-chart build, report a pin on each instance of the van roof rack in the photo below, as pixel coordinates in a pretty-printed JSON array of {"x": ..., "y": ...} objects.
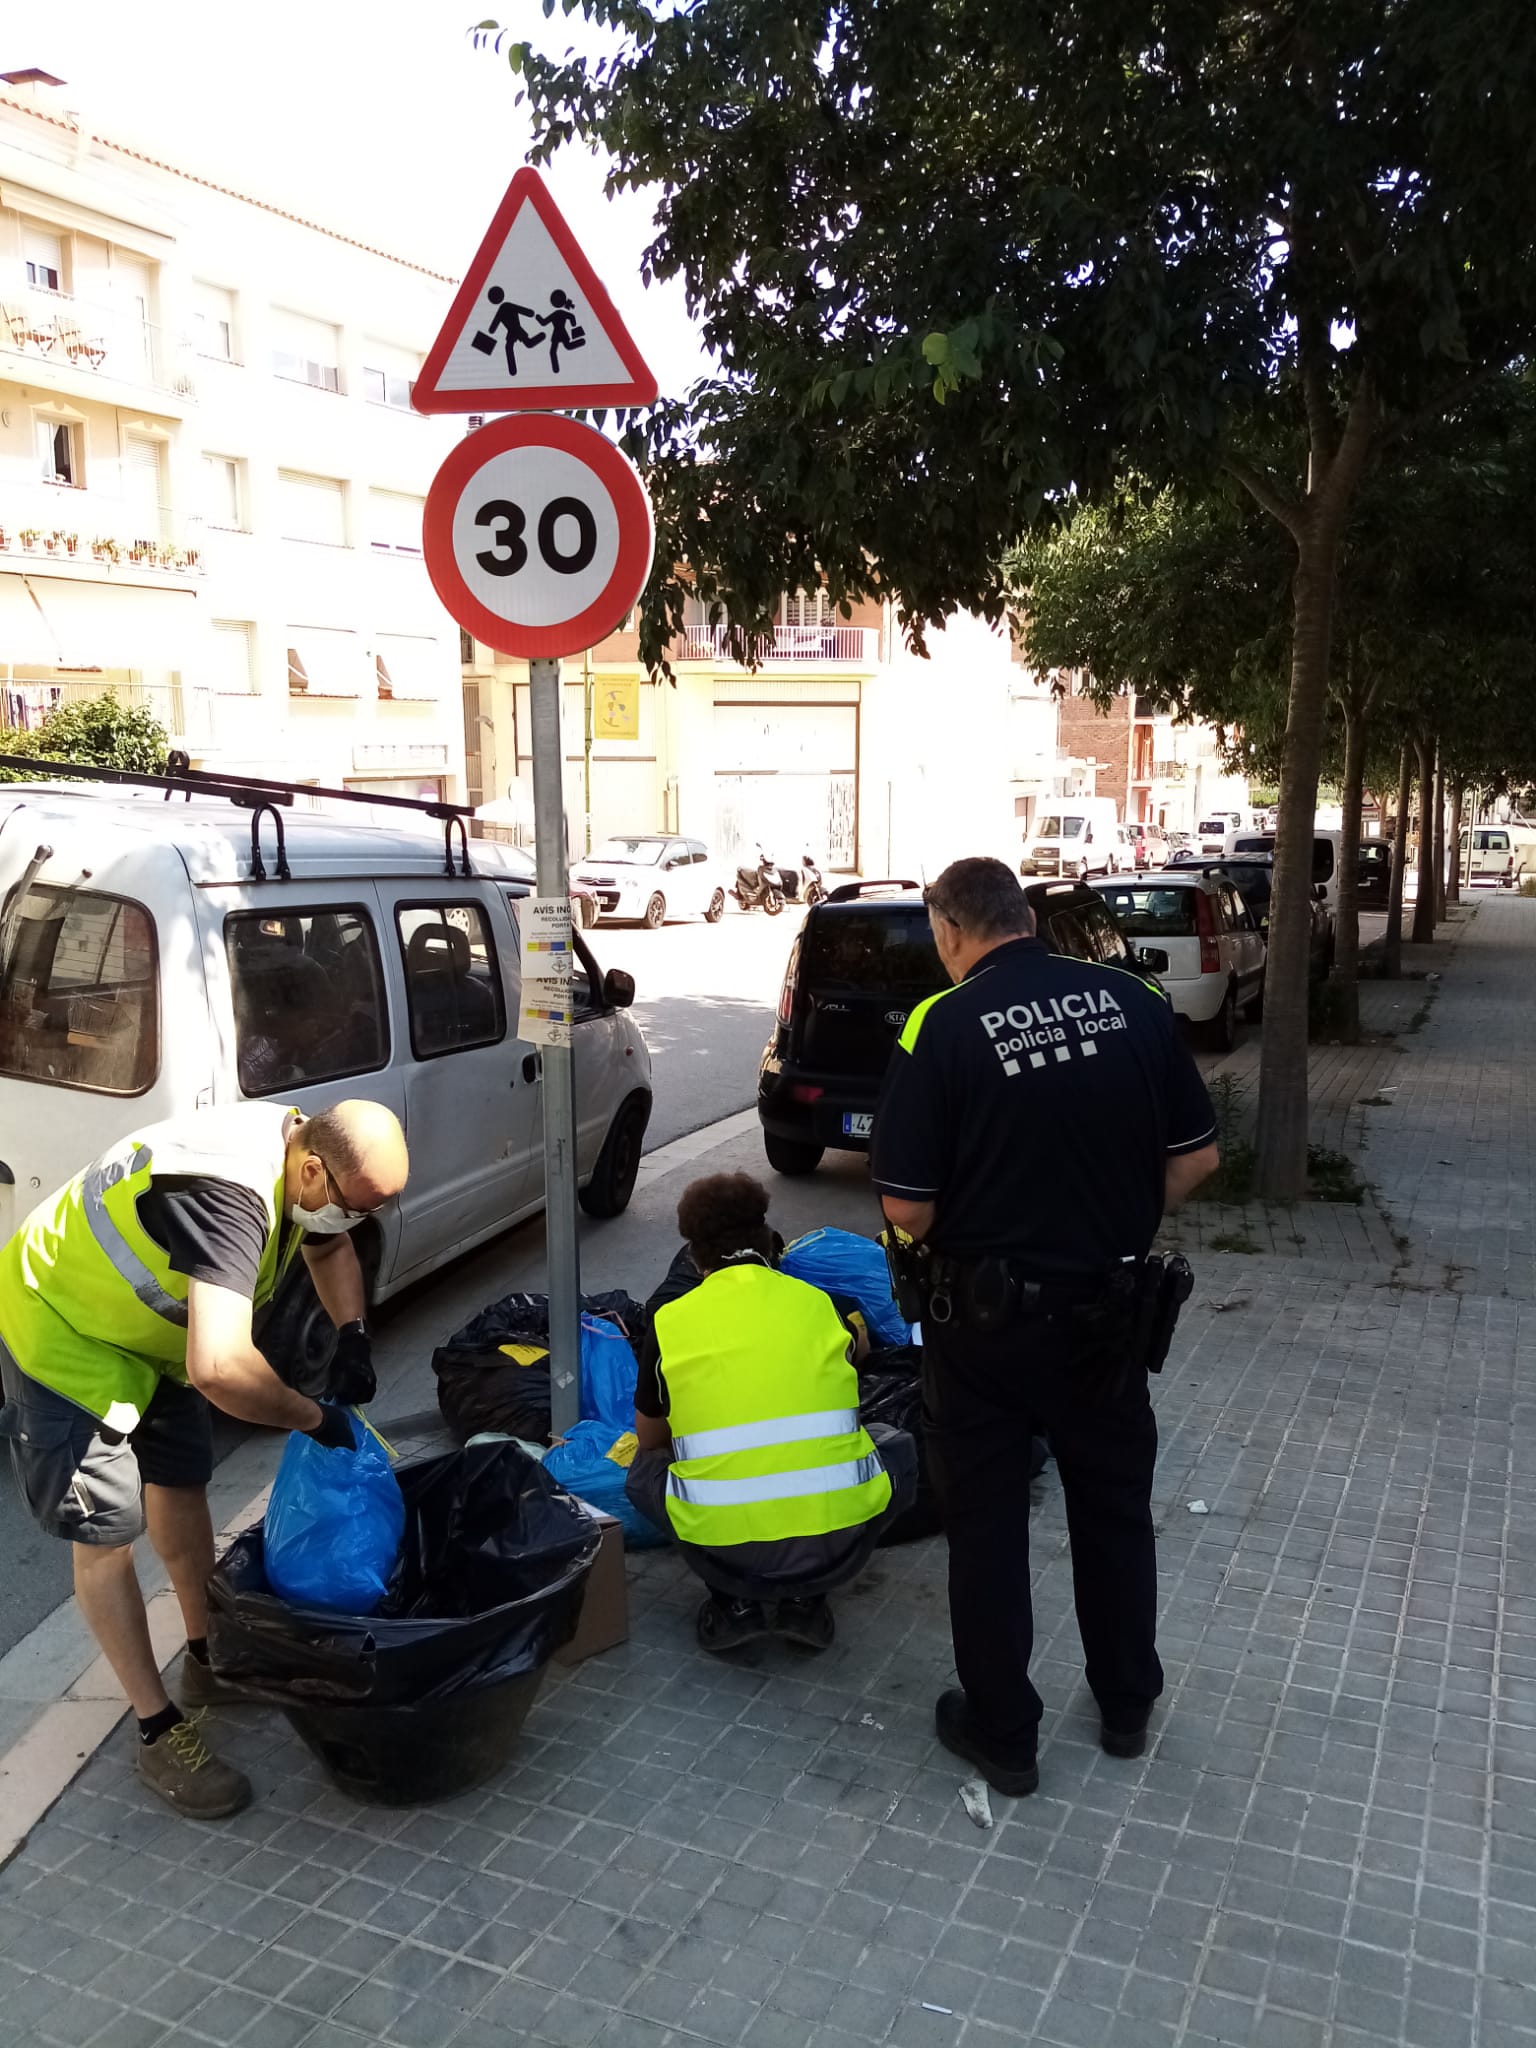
[{"x": 258, "y": 794}]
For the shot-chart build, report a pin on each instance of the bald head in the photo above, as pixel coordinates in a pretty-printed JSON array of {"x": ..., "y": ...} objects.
[{"x": 360, "y": 1145}]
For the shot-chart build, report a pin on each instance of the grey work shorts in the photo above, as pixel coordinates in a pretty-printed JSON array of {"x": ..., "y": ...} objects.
[{"x": 84, "y": 1482}]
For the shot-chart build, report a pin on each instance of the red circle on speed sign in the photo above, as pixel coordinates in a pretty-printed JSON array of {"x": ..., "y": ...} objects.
[{"x": 538, "y": 535}]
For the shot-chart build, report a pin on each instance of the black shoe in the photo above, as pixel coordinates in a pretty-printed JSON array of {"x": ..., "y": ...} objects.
[
  {"x": 1012, "y": 1770},
  {"x": 726, "y": 1624},
  {"x": 1129, "y": 1739},
  {"x": 806, "y": 1621}
]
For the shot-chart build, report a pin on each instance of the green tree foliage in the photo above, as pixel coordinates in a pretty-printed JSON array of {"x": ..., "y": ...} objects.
[
  {"x": 956, "y": 259},
  {"x": 100, "y": 733}
]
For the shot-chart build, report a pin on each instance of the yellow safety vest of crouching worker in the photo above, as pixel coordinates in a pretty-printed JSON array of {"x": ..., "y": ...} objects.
[
  {"x": 763, "y": 1406},
  {"x": 89, "y": 1305}
]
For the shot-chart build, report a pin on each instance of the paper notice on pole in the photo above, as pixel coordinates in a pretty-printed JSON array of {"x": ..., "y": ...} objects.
[{"x": 548, "y": 1003}]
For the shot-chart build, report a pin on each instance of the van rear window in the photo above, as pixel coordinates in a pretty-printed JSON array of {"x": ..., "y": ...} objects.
[
  {"x": 882, "y": 952},
  {"x": 1152, "y": 913},
  {"x": 79, "y": 991}
]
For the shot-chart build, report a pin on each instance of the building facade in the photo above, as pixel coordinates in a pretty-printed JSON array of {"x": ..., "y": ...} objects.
[{"x": 211, "y": 480}]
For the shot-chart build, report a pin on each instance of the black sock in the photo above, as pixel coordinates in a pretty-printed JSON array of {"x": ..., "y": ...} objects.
[
  {"x": 197, "y": 1647},
  {"x": 160, "y": 1724}
]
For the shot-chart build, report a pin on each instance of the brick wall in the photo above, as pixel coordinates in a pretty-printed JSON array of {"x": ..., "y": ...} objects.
[{"x": 1087, "y": 733}]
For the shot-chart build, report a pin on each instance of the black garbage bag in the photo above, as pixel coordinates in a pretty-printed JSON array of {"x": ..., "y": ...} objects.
[
  {"x": 891, "y": 1391},
  {"x": 426, "y": 1697},
  {"x": 488, "y": 1585},
  {"x": 481, "y": 1387}
]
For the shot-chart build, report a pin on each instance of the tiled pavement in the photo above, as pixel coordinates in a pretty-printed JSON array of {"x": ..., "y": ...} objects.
[{"x": 1331, "y": 1845}]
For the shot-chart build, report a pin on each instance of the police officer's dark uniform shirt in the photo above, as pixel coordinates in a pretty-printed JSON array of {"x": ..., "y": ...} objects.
[{"x": 1035, "y": 1103}]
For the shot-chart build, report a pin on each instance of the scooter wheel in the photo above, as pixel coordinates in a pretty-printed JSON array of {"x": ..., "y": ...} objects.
[{"x": 773, "y": 903}]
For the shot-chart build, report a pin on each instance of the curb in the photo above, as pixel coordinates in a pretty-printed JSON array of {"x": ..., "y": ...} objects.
[{"x": 78, "y": 1713}]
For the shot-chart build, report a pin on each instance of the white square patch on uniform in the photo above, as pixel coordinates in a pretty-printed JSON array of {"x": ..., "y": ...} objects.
[
  {"x": 1063, "y": 1053},
  {"x": 1037, "y": 1059}
]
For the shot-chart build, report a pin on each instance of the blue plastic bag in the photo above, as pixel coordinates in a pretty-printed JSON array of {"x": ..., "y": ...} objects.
[
  {"x": 839, "y": 1262},
  {"x": 594, "y": 1458},
  {"x": 333, "y": 1525}
]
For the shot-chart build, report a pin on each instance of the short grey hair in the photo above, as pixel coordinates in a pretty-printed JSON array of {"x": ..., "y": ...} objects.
[{"x": 983, "y": 897}]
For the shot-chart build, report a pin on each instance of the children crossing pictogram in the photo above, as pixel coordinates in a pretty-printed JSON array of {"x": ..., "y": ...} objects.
[{"x": 531, "y": 326}]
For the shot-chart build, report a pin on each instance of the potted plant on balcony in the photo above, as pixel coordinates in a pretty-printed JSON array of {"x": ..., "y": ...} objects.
[
  {"x": 167, "y": 555},
  {"x": 142, "y": 550},
  {"x": 105, "y": 548},
  {"x": 190, "y": 558},
  {"x": 69, "y": 542},
  {"x": 30, "y": 536},
  {"x": 5, "y": 539}
]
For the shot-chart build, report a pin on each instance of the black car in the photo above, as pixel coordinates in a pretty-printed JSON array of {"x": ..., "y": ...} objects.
[
  {"x": 862, "y": 963},
  {"x": 1252, "y": 875}
]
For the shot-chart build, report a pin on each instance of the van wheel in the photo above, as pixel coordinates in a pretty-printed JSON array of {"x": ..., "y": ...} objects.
[
  {"x": 298, "y": 1338},
  {"x": 716, "y": 908},
  {"x": 786, "y": 1156},
  {"x": 1220, "y": 1033},
  {"x": 656, "y": 912},
  {"x": 607, "y": 1193}
]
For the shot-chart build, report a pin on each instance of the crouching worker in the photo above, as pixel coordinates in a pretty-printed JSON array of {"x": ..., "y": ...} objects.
[
  {"x": 125, "y": 1299},
  {"x": 751, "y": 1450}
]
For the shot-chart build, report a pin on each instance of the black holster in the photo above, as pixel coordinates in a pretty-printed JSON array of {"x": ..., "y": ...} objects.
[{"x": 1165, "y": 1283}]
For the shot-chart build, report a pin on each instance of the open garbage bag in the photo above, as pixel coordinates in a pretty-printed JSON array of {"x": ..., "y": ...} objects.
[
  {"x": 594, "y": 1458},
  {"x": 840, "y": 1262},
  {"x": 333, "y": 1523},
  {"x": 492, "y": 1560}
]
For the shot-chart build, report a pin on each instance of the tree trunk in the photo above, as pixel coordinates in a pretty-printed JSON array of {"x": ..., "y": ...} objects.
[
  {"x": 1392, "y": 955},
  {"x": 1346, "y": 960},
  {"x": 1424, "y": 908},
  {"x": 1281, "y": 1170},
  {"x": 1458, "y": 804},
  {"x": 1439, "y": 832}
]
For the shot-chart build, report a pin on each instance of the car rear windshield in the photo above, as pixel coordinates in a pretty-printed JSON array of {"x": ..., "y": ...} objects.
[
  {"x": 886, "y": 952},
  {"x": 1212, "y": 825},
  {"x": 1153, "y": 913},
  {"x": 79, "y": 991}
]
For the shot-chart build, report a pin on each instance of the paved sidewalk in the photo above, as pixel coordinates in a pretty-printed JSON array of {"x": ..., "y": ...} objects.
[{"x": 1331, "y": 1845}]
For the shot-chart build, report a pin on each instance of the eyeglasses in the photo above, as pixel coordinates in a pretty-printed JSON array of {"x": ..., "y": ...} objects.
[{"x": 334, "y": 1191}]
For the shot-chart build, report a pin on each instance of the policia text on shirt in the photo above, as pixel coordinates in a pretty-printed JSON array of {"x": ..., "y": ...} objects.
[{"x": 1037, "y": 1119}]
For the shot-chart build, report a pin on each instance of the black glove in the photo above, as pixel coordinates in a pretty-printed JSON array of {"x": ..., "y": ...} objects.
[
  {"x": 335, "y": 1430},
  {"x": 351, "y": 1379}
]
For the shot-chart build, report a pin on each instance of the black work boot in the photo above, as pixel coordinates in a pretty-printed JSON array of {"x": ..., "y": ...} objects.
[
  {"x": 1007, "y": 1768},
  {"x": 724, "y": 1624},
  {"x": 806, "y": 1621}
]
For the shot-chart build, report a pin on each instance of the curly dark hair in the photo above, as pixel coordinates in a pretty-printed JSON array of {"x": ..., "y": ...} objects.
[{"x": 723, "y": 1215}]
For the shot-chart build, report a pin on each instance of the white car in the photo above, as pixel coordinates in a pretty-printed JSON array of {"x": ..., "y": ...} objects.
[
  {"x": 647, "y": 877},
  {"x": 1215, "y": 950}
]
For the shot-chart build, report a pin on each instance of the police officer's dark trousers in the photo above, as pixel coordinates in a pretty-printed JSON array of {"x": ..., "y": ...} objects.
[{"x": 983, "y": 1393}]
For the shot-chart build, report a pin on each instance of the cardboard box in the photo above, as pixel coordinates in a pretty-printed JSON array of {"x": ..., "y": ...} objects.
[{"x": 605, "y": 1607}]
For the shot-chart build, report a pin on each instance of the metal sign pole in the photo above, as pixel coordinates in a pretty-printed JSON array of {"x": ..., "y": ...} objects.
[{"x": 562, "y": 1258}]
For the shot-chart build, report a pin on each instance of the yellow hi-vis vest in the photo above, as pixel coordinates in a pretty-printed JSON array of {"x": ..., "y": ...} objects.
[
  {"x": 763, "y": 1406},
  {"x": 89, "y": 1304}
]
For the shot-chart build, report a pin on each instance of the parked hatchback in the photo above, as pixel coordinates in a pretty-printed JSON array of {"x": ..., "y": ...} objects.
[
  {"x": 1215, "y": 949},
  {"x": 861, "y": 964},
  {"x": 1253, "y": 876}
]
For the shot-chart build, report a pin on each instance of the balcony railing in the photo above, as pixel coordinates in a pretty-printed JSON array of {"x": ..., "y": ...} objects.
[
  {"x": 850, "y": 646},
  {"x": 184, "y": 709},
  {"x": 43, "y": 522},
  {"x": 108, "y": 341}
]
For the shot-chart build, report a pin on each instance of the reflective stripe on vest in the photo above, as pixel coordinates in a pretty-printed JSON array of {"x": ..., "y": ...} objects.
[
  {"x": 126, "y": 1262},
  {"x": 775, "y": 1485},
  {"x": 757, "y": 1436},
  {"x": 763, "y": 1404}
]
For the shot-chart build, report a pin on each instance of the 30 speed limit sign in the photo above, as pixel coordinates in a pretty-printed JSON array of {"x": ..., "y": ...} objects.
[{"x": 538, "y": 535}]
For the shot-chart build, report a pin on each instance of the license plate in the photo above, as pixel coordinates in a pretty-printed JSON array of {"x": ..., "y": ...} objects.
[{"x": 858, "y": 1126}]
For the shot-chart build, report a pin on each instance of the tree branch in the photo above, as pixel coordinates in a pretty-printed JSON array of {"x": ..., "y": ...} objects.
[
  {"x": 1267, "y": 493},
  {"x": 1354, "y": 451}
]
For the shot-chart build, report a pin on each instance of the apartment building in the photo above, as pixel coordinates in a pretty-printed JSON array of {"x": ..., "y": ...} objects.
[{"x": 211, "y": 480}]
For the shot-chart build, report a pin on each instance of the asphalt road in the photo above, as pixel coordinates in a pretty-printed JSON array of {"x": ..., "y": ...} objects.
[{"x": 705, "y": 998}]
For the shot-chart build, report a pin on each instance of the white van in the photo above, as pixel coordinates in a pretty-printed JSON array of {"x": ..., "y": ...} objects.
[
  {"x": 1326, "y": 846},
  {"x": 1078, "y": 836},
  {"x": 1502, "y": 855},
  {"x": 159, "y": 956}
]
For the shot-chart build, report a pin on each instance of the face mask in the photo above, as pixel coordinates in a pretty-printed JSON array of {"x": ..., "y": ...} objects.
[{"x": 326, "y": 1221}]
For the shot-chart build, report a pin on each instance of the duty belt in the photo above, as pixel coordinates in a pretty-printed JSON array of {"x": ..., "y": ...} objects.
[{"x": 985, "y": 1293}]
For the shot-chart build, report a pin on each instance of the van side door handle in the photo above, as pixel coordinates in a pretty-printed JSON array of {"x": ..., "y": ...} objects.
[{"x": 533, "y": 1066}]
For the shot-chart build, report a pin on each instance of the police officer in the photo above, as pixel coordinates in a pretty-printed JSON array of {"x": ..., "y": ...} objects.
[{"x": 1037, "y": 1120}]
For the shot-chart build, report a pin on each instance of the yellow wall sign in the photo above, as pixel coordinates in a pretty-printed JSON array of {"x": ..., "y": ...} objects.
[{"x": 616, "y": 711}]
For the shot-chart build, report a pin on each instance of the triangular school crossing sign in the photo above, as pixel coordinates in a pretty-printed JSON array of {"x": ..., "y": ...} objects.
[{"x": 531, "y": 328}]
